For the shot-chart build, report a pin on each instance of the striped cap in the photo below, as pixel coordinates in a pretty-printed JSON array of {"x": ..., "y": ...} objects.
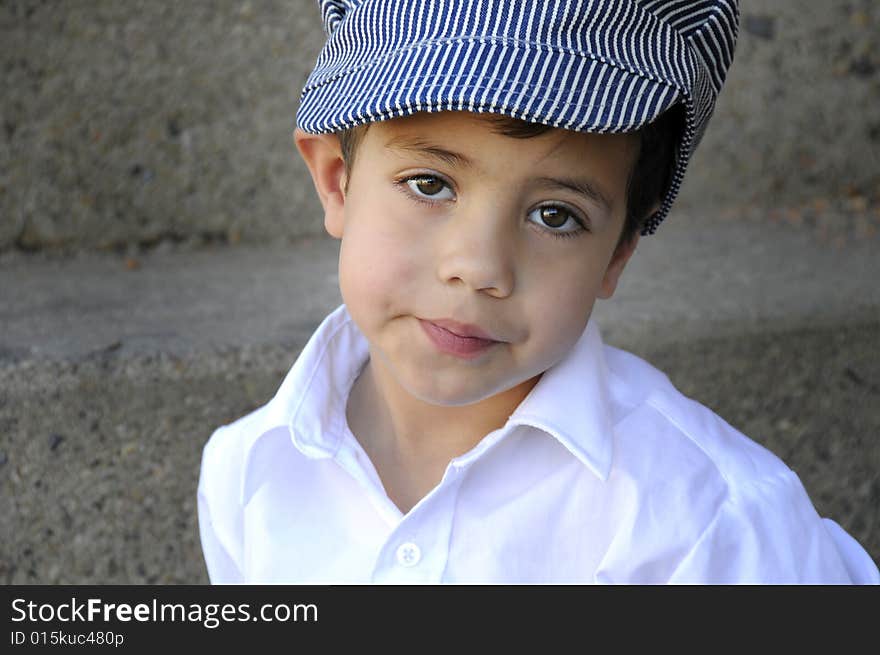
[{"x": 585, "y": 65}]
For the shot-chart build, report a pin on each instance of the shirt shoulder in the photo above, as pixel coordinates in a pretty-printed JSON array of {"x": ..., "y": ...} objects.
[
  {"x": 741, "y": 514},
  {"x": 653, "y": 417}
]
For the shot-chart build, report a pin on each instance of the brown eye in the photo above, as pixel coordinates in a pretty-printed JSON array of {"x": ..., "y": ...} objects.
[
  {"x": 428, "y": 188},
  {"x": 429, "y": 185},
  {"x": 557, "y": 220},
  {"x": 554, "y": 216}
]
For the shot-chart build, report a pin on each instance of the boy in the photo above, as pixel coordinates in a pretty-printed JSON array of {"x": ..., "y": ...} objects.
[{"x": 489, "y": 167}]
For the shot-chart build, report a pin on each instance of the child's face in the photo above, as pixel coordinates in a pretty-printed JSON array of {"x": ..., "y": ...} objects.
[{"x": 445, "y": 221}]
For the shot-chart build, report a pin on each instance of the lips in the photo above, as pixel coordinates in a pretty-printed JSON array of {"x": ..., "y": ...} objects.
[
  {"x": 462, "y": 329},
  {"x": 458, "y": 339}
]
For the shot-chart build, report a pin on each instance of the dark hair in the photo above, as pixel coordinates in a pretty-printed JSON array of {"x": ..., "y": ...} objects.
[{"x": 653, "y": 168}]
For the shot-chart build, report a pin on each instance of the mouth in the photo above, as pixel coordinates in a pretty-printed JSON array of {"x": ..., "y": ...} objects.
[
  {"x": 458, "y": 339},
  {"x": 461, "y": 329}
]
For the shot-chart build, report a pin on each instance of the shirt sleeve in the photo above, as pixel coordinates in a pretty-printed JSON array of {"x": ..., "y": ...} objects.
[
  {"x": 218, "y": 500},
  {"x": 770, "y": 533}
]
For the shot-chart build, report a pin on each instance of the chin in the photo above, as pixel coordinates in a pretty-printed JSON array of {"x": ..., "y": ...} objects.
[{"x": 453, "y": 393}]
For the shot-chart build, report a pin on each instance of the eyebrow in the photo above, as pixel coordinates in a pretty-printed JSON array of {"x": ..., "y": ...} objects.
[{"x": 422, "y": 147}]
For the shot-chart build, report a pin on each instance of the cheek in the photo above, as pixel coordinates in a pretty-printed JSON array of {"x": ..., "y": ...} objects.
[
  {"x": 568, "y": 295},
  {"x": 377, "y": 265}
]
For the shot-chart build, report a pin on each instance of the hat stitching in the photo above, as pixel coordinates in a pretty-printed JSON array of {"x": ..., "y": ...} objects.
[
  {"x": 682, "y": 159},
  {"x": 506, "y": 85},
  {"x": 440, "y": 105}
]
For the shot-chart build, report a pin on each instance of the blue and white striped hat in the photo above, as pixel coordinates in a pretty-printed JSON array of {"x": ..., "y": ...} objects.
[{"x": 587, "y": 65}]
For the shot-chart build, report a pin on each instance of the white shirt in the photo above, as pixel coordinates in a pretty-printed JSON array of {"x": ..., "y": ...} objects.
[{"x": 605, "y": 473}]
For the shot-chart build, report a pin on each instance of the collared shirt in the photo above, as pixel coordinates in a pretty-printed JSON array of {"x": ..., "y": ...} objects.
[{"x": 604, "y": 473}]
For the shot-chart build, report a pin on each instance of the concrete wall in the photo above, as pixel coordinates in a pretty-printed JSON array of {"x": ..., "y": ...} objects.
[
  {"x": 137, "y": 122},
  {"x": 141, "y": 121}
]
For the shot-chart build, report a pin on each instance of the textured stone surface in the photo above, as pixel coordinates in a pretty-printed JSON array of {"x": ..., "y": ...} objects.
[
  {"x": 143, "y": 122},
  {"x": 114, "y": 500},
  {"x": 793, "y": 126},
  {"x": 135, "y": 122},
  {"x": 172, "y": 302}
]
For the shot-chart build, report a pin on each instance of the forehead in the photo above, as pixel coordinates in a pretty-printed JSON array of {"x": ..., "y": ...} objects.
[
  {"x": 482, "y": 138},
  {"x": 463, "y": 127}
]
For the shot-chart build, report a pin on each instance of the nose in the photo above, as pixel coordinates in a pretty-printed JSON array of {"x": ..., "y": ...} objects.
[{"x": 477, "y": 252}]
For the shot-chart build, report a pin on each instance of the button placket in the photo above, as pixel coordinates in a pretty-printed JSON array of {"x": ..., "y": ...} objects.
[{"x": 416, "y": 551}]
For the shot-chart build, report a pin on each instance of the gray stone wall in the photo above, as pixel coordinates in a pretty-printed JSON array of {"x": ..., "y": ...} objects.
[
  {"x": 797, "y": 123},
  {"x": 130, "y": 125},
  {"x": 134, "y": 122},
  {"x": 137, "y": 122}
]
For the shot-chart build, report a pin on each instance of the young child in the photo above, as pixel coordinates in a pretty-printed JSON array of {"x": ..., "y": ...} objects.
[{"x": 489, "y": 166}]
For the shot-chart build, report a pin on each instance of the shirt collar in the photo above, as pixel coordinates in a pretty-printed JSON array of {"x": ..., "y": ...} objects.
[
  {"x": 569, "y": 402},
  {"x": 309, "y": 406}
]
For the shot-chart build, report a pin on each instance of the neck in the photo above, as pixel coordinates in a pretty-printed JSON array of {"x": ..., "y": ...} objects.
[{"x": 386, "y": 418}]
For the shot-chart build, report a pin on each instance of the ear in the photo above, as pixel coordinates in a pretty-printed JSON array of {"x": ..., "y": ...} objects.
[
  {"x": 618, "y": 262},
  {"x": 323, "y": 156}
]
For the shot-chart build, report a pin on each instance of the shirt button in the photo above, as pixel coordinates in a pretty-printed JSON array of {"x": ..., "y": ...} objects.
[{"x": 408, "y": 554}]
